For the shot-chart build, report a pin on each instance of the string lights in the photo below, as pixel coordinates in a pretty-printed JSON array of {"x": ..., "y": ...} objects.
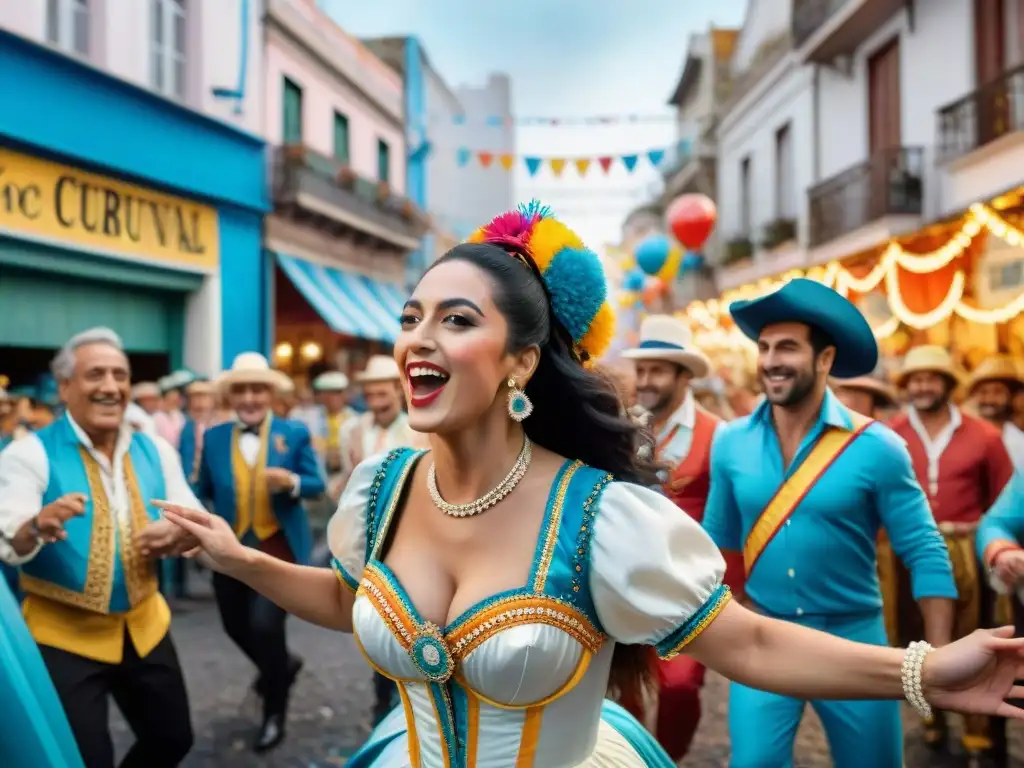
[{"x": 706, "y": 316}]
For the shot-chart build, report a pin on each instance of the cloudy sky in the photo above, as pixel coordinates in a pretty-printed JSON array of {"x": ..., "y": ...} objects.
[{"x": 569, "y": 58}]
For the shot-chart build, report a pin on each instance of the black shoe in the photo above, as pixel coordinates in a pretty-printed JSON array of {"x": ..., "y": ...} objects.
[
  {"x": 295, "y": 665},
  {"x": 270, "y": 735}
]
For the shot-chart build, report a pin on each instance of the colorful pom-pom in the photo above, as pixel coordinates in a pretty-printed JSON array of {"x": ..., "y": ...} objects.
[
  {"x": 600, "y": 333},
  {"x": 550, "y": 236},
  {"x": 578, "y": 288}
]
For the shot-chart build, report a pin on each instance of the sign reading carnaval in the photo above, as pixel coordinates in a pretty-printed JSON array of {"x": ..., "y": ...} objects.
[{"x": 46, "y": 201}]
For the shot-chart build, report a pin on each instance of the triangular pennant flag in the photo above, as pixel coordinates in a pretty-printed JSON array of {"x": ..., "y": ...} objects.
[
  {"x": 462, "y": 156},
  {"x": 459, "y": 119},
  {"x": 485, "y": 158},
  {"x": 557, "y": 165},
  {"x": 582, "y": 164},
  {"x": 630, "y": 162},
  {"x": 532, "y": 165},
  {"x": 656, "y": 156},
  {"x": 506, "y": 161},
  {"x": 495, "y": 121},
  {"x": 605, "y": 163}
]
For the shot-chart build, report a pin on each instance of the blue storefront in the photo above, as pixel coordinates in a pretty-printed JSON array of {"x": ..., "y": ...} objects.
[{"x": 121, "y": 208}]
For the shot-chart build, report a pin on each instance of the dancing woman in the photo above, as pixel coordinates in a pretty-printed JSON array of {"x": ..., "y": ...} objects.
[{"x": 504, "y": 578}]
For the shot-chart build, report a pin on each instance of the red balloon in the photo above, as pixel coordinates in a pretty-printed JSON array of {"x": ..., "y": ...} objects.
[{"x": 692, "y": 219}]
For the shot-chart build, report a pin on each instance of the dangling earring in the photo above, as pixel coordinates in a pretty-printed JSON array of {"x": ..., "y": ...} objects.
[{"x": 519, "y": 405}]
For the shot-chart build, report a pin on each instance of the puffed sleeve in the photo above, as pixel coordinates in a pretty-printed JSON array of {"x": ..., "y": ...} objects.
[
  {"x": 346, "y": 531},
  {"x": 655, "y": 575}
]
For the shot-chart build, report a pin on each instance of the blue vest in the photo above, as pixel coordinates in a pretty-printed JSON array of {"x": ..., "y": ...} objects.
[{"x": 91, "y": 568}]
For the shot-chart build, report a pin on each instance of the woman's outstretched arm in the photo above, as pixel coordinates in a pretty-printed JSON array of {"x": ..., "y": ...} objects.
[
  {"x": 787, "y": 658},
  {"x": 315, "y": 595}
]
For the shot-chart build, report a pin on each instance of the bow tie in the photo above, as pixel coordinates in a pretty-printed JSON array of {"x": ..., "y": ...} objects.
[{"x": 253, "y": 430}]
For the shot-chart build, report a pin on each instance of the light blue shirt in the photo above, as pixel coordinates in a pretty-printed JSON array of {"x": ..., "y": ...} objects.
[
  {"x": 1005, "y": 519},
  {"x": 823, "y": 561}
]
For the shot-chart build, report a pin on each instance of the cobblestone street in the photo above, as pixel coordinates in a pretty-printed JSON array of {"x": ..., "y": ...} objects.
[{"x": 331, "y": 701}]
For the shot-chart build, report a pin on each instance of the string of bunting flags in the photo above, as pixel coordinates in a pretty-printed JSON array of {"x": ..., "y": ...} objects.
[
  {"x": 583, "y": 165},
  {"x": 507, "y": 121}
]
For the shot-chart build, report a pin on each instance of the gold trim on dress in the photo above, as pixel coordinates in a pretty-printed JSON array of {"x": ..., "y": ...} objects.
[
  {"x": 723, "y": 599},
  {"x": 554, "y": 526},
  {"x": 139, "y": 574}
]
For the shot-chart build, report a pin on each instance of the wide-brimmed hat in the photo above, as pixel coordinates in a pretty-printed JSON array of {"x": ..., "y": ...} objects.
[
  {"x": 250, "y": 368},
  {"x": 285, "y": 385},
  {"x": 997, "y": 368},
  {"x": 177, "y": 380},
  {"x": 928, "y": 358},
  {"x": 812, "y": 303},
  {"x": 868, "y": 384},
  {"x": 379, "y": 368},
  {"x": 663, "y": 337},
  {"x": 146, "y": 389},
  {"x": 330, "y": 381}
]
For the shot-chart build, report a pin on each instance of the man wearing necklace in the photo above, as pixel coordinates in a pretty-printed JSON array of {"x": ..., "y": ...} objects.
[
  {"x": 963, "y": 465},
  {"x": 802, "y": 486},
  {"x": 666, "y": 362}
]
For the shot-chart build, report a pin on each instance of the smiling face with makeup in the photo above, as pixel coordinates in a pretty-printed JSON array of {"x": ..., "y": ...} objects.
[{"x": 454, "y": 350}]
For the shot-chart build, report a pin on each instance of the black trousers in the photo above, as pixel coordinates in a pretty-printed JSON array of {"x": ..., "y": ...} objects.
[
  {"x": 150, "y": 693},
  {"x": 257, "y": 627}
]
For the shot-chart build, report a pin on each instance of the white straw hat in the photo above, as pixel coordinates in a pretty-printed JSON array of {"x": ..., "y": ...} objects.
[
  {"x": 663, "y": 337},
  {"x": 380, "y": 368},
  {"x": 250, "y": 368}
]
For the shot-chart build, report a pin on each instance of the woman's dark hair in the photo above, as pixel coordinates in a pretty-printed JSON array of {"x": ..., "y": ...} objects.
[{"x": 576, "y": 412}]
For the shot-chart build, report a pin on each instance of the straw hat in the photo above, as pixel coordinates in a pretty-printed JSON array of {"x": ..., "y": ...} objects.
[
  {"x": 663, "y": 337},
  {"x": 869, "y": 384},
  {"x": 380, "y": 368},
  {"x": 146, "y": 389},
  {"x": 330, "y": 381},
  {"x": 250, "y": 368},
  {"x": 928, "y": 358},
  {"x": 285, "y": 384},
  {"x": 996, "y": 368},
  {"x": 201, "y": 387}
]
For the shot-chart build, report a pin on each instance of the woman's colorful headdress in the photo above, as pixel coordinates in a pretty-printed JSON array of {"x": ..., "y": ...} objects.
[{"x": 571, "y": 272}]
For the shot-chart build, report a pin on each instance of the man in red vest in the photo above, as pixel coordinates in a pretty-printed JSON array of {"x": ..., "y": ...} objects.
[{"x": 666, "y": 362}]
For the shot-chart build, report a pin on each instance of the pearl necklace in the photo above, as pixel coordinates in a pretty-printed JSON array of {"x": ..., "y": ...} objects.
[{"x": 488, "y": 500}]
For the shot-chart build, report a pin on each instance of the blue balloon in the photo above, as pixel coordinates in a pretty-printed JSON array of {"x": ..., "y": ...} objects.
[
  {"x": 652, "y": 253},
  {"x": 693, "y": 261},
  {"x": 634, "y": 280}
]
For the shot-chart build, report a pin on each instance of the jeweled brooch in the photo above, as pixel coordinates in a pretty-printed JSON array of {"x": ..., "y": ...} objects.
[{"x": 430, "y": 654}]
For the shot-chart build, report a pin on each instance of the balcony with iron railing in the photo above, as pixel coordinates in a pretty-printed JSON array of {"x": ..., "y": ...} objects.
[
  {"x": 827, "y": 29},
  {"x": 994, "y": 110},
  {"x": 321, "y": 186},
  {"x": 889, "y": 183}
]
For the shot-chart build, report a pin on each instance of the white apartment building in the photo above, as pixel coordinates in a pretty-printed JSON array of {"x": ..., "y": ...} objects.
[{"x": 869, "y": 120}]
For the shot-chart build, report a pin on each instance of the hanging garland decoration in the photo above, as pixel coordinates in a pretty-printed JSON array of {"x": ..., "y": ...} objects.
[
  {"x": 548, "y": 121},
  {"x": 713, "y": 315},
  {"x": 656, "y": 156}
]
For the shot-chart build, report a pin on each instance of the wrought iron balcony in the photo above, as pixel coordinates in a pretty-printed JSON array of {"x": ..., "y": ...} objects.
[
  {"x": 886, "y": 184},
  {"x": 991, "y": 112},
  {"x": 322, "y": 188}
]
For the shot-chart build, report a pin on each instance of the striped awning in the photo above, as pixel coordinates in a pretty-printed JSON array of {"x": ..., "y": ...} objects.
[{"x": 349, "y": 303}]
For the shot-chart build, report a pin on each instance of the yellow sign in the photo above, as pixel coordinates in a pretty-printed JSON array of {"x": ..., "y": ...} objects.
[{"x": 44, "y": 200}]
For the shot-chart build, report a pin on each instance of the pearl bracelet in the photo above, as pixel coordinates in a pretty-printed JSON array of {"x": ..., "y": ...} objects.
[{"x": 913, "y": 660}]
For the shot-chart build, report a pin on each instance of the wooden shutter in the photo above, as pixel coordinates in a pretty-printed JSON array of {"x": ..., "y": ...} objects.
[{"x": 885, "y": 128}]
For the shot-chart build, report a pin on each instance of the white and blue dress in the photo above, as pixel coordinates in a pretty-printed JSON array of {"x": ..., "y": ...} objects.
[{"x": 520, "y": 679}]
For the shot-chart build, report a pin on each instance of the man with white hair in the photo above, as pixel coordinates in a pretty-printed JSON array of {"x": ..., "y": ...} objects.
[{"x": 79, "y": 516}]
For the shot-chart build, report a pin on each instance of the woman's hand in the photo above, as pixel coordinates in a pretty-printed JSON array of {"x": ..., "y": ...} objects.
[
  {"x": 217, "y": 541},
  {"x": 976, "y": 674}
]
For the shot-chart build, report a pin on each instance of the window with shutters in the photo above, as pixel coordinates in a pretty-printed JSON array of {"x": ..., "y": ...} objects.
[
  {"x": 291, "y": 130},
  {"x": 341, "y": 138},
  {"x": 383, "y": 161},
  {"x": 167, "y": 47},
  {"x": 67, "y": 25},
  {"x": 785, "y": 186}
]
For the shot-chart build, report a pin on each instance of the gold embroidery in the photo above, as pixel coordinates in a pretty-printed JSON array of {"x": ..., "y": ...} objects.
[
  {"x": 551, "y": 537},
  {"x": 524, "y": 609},
  {"x": 139, "y": 573},
  {"x": 99, "y": 577},
  {"x": 396, "y": 496},
  {"x": 720, "y": 603}
]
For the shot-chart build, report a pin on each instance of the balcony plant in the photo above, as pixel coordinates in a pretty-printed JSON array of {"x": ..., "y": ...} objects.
[
  {"x": 778, "y": 232},
  {"x": 383, "y": 192},
  {"x": 296, "y": 152},
  {"x": 736, "y": 250},
  {"x": 347, "y": 176}
]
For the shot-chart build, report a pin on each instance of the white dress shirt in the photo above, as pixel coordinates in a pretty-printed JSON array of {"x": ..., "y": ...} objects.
[
  {"x": 249, "y": 445},
  {"x": 935, "y": 448},
  {"x": 25, "y": 474},
  {"x": 1013, "y": 439}
]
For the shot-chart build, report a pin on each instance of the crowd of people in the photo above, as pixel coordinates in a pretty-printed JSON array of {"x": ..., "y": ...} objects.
[{"x": 539, "y": 560}]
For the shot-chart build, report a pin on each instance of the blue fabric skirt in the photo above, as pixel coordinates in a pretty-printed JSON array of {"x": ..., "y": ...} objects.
[
  {"x": 388, "y": 745},
  {"x": 33, "y": 728}
]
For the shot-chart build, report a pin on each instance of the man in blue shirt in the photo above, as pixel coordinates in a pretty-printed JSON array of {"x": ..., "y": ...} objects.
[{"x": 801, "y": 487}]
